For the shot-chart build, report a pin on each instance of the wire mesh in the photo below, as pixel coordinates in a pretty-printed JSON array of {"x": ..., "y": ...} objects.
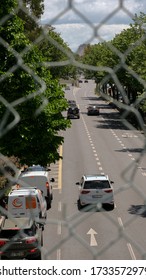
[{"x": 71, "y": 222}]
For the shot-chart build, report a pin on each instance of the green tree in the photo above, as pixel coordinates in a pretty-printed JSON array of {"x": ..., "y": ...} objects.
[
  {"x": 30, "y": 13},
  {"x": 31, "y": 93},
  {"x": 56, "y": 50},
  {"x": 51, "y": 43},
  {"x": 125, "y": 55}
]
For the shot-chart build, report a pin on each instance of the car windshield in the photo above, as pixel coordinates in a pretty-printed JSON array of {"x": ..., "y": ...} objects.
[
  {"x": 73, "y": 109},
  {"x": 96, "y": 184}
]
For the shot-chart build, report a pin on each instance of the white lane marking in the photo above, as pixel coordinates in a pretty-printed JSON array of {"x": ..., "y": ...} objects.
[
  {"x": 123, "y": 145},
  {"x": 120, "y": 222},
  {"x": 92, "y": 233},
  {"x": 58, "y": 254},
  {"x": 128, "y": 244},
  {"x": 59, "y": 206},
  {"x": 92, "y": 144},
  {"x": 59, "y": 229},
  {"x": 131, "y": 251},
  {"x": 100, "y": 168}
]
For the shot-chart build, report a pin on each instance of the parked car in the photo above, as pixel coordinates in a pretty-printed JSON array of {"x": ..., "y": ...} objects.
[
  {"x": 73, "y": 112},
  {"x": 20, "y": 238},
  {"x": 27, "y": 202},
  {"x": 94, "y": 190},
  {"x": 86, "y": 81},
  {"x": 93, "y": 110},
  {"x": 38, "y": 176}
]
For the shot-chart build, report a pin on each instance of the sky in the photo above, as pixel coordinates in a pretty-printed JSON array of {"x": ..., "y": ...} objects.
[{"x": 90, "y": 21}]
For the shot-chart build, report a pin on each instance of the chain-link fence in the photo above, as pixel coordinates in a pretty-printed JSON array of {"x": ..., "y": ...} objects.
[{"x": 74, "y": 220}]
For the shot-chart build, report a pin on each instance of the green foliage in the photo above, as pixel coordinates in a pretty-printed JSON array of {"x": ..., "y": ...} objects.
[
  {"x": 36, "y": 7},
  {"x": 56, "y": 50},
  {"x": 34, "y": 95},
  {"x": 125, "y": 55}
]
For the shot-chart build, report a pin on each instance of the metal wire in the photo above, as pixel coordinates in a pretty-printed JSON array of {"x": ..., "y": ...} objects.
[{"x": 128, "y": 174}]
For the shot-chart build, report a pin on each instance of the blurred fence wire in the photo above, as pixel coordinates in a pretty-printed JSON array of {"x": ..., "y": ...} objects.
[{"x": 71, "y": 222}]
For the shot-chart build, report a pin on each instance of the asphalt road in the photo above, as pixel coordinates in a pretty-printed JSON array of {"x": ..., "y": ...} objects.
[{"x": 98, "y": 144}]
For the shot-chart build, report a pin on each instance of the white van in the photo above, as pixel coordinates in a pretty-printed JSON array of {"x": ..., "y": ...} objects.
[
  {"x": 27, "y": 203},
  {"x": 38, "y": 177}
]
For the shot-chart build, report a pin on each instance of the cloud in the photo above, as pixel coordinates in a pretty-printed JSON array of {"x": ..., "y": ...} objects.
[
  {"x": 77, "y": 34},
  {"x": 76, "y": 23}
]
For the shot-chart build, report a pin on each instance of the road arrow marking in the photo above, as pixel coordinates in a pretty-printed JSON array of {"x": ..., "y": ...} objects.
[{"x": 93, "y": 241}]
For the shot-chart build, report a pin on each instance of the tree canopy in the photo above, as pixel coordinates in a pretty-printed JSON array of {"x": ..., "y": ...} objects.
[
  {"x": 33, "y": 101},
  {"x": 125, "y": 55}
]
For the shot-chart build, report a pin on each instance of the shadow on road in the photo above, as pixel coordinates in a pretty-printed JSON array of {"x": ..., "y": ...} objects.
[
  {"x": 138, "y": 210},
  {"x": 134, "y": 150},
  {"x": 94, "y": 208}
]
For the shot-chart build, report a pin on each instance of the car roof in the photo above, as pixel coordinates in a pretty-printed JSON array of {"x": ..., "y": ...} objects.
[
  {"x": 23, "y": 223},
  {"x": 25, "y": 191},
  {"x": 99, "y": 177},
  {"x": 34, "y": 173},
  {"x": 28, "y": 173},
  {"x": 36, "y": 168},
  {"x": 71, "y": 101}
]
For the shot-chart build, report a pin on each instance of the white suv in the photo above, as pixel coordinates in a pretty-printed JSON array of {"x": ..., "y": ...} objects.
[{"x": 95, "y": 190}]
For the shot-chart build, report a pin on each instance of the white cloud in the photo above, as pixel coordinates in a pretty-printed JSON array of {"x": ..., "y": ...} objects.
[
  {"x": 75, "y": 23},
  {"x": 77, "y": 34}
]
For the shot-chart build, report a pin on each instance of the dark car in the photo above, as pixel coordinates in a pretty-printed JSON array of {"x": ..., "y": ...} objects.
[
  {"x": 93, "y": 110},
  {"x": 71, "y": 103},
  {"x": 73, "y": 112},
  {"x": 21, "y": 238}
]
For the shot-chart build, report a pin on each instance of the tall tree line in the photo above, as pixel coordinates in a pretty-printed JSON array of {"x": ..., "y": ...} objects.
[{"x": 32, "y": 99}]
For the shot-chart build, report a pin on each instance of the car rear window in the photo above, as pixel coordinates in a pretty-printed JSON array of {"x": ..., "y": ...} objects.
[
  {"x": 10, "y": 233},
  {"x": 97, "y": 185},
  {"x": 36, "y": 168}
]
